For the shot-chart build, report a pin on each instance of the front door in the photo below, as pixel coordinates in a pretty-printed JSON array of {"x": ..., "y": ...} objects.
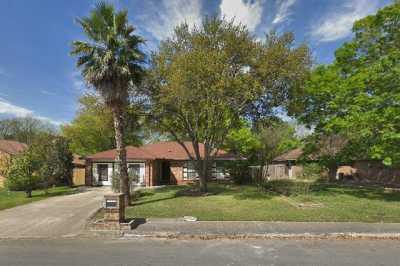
[
  {"x": 165, "y": 173},
  {"x": 104, "y": 175}
]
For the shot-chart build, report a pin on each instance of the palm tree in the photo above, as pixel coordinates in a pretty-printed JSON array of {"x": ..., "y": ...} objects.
[{"x": 111, "y": 63}]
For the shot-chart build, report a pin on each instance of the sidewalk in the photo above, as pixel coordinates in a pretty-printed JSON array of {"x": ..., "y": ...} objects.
[{"x": 173, "y": 228}]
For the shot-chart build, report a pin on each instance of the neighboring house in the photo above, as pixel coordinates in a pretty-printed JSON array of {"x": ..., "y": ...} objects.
[
  {"x": 163, "y": 163},
  {"x": 285, "y": 165},
  {"x": 369, "y": 171},
  {"x": 8, "y": 149}
]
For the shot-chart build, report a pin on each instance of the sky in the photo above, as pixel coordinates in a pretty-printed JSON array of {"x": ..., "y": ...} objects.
[{"x": 38, "y": 77}]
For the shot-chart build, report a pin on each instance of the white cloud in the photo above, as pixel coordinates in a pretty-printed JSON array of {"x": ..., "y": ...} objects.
[
  {"x": 248, "y": 12},
  {"x": 46, "y": 92},
  {"x": 77, "y": 81},
  {"x": 339, "y": 23},
  {"x": 168, "y": 14},
  {"x": 7, "y": 108},
  {"x": 283, "y": 10}
]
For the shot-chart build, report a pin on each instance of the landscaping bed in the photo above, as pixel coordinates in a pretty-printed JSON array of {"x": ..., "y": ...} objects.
[
  {"x": 229, "y": 202},
  {"x": 9, "y": 199}
]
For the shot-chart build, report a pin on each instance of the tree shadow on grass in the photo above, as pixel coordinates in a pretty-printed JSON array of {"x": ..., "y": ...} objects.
[
  {"x": 247, "y": 192},
  {"x": 365, "y": 192}
]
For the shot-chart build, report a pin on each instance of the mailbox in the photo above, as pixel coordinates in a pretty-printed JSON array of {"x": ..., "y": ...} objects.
[
  {"x": 111, "y": 204},
  {"x": 114, "y": 208}
]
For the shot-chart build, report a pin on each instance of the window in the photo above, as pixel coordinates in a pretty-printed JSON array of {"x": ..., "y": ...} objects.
[
  {"x": 102, "y": 169},
  {"x": 134, "y": 172},
  {"x": 218, "y": 170},
  {"x": 189, "y": 170}
]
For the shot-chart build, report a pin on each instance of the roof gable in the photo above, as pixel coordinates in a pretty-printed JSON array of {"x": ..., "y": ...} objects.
[{"x": 291, "y": 155}]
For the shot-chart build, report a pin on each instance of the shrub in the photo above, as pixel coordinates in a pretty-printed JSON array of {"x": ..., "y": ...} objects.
[
  {"x": 288, "y": 187},
  {"x": 21, "y": 174},
  {"x": 312, "y": 171},
  {"x": 239, "y": 172}
]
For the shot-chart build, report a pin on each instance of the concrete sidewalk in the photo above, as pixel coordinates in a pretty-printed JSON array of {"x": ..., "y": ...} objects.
[{"x": 170, "y": 228}]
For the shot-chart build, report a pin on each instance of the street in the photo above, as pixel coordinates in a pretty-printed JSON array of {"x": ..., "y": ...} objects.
[{"x": 43, "y": 252}]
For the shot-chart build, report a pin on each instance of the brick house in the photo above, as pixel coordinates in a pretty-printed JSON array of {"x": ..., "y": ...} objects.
[
  {"x": 8, "y": 149},
  {"x": 363, "y": 171},
  {"x": 163, "y": 163},
  {"x": 285, "y": 165}
]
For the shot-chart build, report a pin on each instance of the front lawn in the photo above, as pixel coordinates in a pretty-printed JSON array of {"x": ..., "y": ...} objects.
[
  {"x": 15, "y": 198},
  {"x": 227, "y": 202}
]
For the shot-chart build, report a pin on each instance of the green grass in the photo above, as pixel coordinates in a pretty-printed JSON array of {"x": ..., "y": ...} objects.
[
  {"x": 248, "y": 203},
  {"x": 15, "y": 198}
]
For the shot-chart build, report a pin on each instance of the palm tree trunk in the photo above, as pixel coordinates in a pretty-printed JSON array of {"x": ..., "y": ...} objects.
[{"x": 121, "y": 169}]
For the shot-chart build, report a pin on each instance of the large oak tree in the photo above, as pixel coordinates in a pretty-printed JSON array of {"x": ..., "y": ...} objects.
[{"x": 204, "y": 79}]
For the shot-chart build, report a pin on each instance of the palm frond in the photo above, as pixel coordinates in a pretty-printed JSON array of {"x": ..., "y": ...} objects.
[{"x": 111, "y": 60}]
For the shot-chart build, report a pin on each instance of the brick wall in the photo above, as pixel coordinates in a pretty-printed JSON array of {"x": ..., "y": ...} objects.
[{"x": 177, "y": 173}]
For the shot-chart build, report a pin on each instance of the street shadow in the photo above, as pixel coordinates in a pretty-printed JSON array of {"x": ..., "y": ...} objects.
[{"x": 137, "y": 222}]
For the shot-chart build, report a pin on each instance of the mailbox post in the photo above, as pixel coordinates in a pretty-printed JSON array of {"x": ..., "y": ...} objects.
[{"x": 114, "y": 208}]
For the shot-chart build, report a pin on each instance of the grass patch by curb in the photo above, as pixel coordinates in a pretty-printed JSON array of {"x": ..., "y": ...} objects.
[{"x": 228, "y": 202}]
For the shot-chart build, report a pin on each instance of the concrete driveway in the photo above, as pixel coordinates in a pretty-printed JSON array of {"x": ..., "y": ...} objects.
[{"x": 63, "y": 216}]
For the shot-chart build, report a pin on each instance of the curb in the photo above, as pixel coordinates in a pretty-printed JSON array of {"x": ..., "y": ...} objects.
[{"x": 270, "y": 236}]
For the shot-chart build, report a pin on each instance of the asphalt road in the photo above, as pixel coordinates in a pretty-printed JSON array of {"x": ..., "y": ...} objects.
[{"x": 178, "y": 252}]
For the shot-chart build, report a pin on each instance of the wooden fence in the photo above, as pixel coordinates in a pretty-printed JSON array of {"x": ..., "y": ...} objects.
[{"x": 269, "y": 172}]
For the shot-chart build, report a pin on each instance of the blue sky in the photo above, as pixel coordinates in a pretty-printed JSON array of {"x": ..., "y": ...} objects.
[{"x": 38, "y": 77}]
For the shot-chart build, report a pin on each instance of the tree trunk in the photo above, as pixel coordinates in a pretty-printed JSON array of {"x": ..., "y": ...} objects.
[
  {"x": 28, "y": 193},
  {"x": 204, "y": 169},
  {"x": 203, "y": 176},
  {"x": 122, "y": 170},
  {"x": 332, "y": 173}
]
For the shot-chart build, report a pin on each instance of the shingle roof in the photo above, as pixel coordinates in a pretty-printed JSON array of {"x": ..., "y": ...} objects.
[
  {"x": 12, "y": 147},
  {"x": 291, "y": 155},
  {"x": 169, "y": 150}
]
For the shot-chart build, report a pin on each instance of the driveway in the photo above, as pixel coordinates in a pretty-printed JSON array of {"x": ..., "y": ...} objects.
[{"x": 63, "y": 216}]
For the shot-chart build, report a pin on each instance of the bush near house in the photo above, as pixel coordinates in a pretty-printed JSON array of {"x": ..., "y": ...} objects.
[{"x": 45, "y": 163}]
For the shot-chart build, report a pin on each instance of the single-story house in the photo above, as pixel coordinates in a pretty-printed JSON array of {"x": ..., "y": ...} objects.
[
  {"x": 8, "y": 149},
  {"x": 371, "y": 171},
  {"x": 163, "y": 163}
]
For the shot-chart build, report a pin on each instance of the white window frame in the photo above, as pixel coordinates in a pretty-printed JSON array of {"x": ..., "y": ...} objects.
[
  {"x": 142, "y": 172},
  {"x": 189, "y": 171},
  {"x": 219, "y": 171}
]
